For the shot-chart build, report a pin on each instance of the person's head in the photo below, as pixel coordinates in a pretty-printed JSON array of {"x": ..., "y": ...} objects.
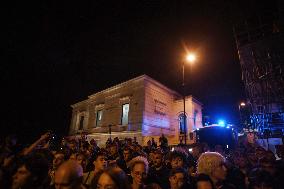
[
  {"x": 205, "y": 146},
  {"x": 197, "y": 150},
  {"x": 280, "y": 151},
  {"x": 139, "y": 169},
  {"x": 151, "y": 155},
  {"x": 111, "y": 178},
  {"x": 260, "y": 179},
  {"x": 204, "y": 182},
  {"x": 219, "y": 149},
  {"x": 73, "y": 146},
  {"x": 149, "y": 143},
  {"x": 69, "y": 175},
  {"x": 191, "y": 170},
  {"x": 31, "y": 173},
  {"x": 91, "y": 148},
  {"x": 177, "y": 178},
  {"x": 85, "y": 145},
  {"x": 240, "y": 160},
  {"x": 58, "y": 159},
  {"x": 270, "y": 155},
  {"x": 73, "y": 156},
  {"x": 113, "y": 149},
  {"x": 82, "y": 160},
  {"x": 21, "y": 178},
  {"x": 158, "y": 158},
  {"x": 213, "y": 165},
  {"x": 260, "y": 152},
  {"x": 177, "y": 159},
  {"x": 127, "y": 154},
  {"x": 93, "y": 143},
  {"x": 268, "y": 164},
  {"x": 100, "y": 161}
]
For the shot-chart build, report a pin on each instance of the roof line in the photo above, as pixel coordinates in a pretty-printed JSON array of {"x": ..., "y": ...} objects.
[{"x": 144, "y": 76}]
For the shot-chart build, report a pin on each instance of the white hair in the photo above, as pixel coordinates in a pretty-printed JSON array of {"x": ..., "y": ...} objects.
[{"x": 208, "y": 162}]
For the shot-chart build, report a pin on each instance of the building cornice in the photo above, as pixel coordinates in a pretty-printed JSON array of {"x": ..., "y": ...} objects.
[
  {"x": 80, "y": 103},
  {"x": 143, "y": 77},
  {"x": 190, "y": 97},
  {"x": 157, "y": 83},
  {"x": 117, "y": 86},
  {"x": 196, "y": 101}
]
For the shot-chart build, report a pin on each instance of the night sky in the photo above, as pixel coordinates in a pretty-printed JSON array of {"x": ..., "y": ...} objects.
[{"x": 59, "y": 52}]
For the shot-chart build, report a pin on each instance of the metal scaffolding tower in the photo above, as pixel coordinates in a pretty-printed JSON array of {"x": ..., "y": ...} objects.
[{"x": 260, "y": 44}]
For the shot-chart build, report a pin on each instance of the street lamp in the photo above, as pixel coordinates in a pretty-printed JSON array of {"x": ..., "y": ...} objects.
[
  {"x": 190, "y": 58},
  {"x": 180, "y": 139},
  {"x": 241, "y": 105},
  {"x": 109, "y": 130}
]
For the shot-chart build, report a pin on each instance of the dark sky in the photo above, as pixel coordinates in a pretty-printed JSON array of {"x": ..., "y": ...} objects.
[{"x": 59, "y": 52}]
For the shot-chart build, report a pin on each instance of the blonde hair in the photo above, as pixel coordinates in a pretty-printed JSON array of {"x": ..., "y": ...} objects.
[
  {"x": 139, "y": 159},
  {"x": 208, "y": 162}
]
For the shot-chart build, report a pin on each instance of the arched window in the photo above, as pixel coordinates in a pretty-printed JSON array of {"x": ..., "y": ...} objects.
[
  {"x": 195, "y": 118},
  {"x": 182, "y": 123}
]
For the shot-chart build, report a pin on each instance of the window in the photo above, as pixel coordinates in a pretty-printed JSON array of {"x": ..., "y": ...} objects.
[
  {"x": 99, "y": 117},
  {"x": 124, "y": 115},
  {"x": 182, "y": 124},
  {"x": 81, "y": 123},
  {"x": 194, "y": 118}
]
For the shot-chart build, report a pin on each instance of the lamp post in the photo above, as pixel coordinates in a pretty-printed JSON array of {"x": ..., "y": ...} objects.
[
  {"x": 109, "y": 130},
  {"x": 241, "y": 105},
  {"x": 190, "y": 58},
  {"x": 180, "y": 139}
]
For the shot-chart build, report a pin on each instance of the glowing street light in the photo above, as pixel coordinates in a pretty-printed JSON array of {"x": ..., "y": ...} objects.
[
  {"x": 190, "y": 58},
  {"x": 241, "y": 106}
]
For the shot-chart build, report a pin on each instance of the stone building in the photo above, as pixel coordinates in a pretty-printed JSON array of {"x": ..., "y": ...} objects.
[{"x": 141, "y": 107}]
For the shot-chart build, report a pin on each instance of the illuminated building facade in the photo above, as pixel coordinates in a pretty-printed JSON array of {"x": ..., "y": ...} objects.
[{"x": 141, "y": 107}]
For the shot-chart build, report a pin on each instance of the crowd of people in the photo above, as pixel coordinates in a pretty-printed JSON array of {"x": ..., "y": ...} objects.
[{"x": 125, "y": 164}]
